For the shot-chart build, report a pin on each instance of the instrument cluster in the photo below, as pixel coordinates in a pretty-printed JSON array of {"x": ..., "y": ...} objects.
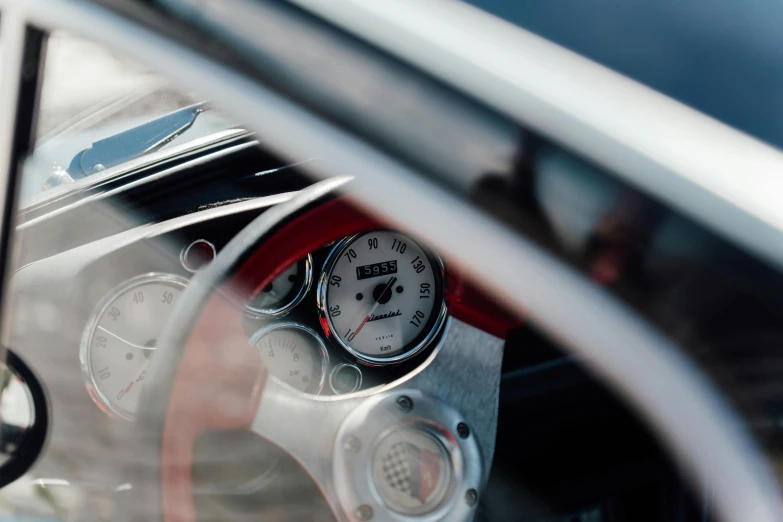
[{"x": 349, "y": 317}]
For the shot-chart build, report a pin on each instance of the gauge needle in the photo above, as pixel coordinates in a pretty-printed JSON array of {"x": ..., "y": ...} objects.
[
  {"x": 138, "y": 375},
  {"x": 377, "y": 302},
  {"x": 126, "y": 341}
]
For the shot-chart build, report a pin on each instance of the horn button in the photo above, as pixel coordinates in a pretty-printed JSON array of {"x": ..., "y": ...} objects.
[
  {"x": 399, "y": 457},
  {"x": 411, "y": 471}
]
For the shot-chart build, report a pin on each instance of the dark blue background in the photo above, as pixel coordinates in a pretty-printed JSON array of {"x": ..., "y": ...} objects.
[{"x": 722, "y": 57}]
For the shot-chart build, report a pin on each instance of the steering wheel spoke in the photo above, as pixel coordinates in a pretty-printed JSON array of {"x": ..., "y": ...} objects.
[{"x": 302, "y": 426}]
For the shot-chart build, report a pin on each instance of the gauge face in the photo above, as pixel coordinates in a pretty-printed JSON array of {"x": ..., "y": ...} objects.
[
  {"x": 381, "y": 296},
  {"x": 120, "y": 341},
  {"x": 293, "y": 354},
  {"x": 285, "y": 292}
]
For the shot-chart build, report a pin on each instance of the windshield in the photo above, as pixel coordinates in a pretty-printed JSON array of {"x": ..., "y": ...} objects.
[{"x": 90, "y": 94}]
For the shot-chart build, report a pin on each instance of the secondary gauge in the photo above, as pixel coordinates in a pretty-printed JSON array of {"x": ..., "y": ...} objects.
[
  {"x": 294, "y": 354},
  {"x": 381, "y": 297},
  {"x": 121, "y": 337},
  {"x": 285, "y": 292}
]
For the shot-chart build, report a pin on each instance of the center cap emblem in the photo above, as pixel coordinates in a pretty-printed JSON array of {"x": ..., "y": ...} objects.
[{"x": 411, "y": 471}]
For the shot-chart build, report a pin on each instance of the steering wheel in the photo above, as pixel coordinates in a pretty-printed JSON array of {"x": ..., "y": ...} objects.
[
  {"x": 208, "y": 377},
  {"x": 419, "y": 448}
]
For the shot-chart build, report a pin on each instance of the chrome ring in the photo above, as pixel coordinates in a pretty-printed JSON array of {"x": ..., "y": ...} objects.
[
  {"x": 337, "y": 369},
  {"x": 183, "y": 254},
  {"x": 262, "y": 313},
  {"x": 298, "y": 326},
  {"x": 326, "y": 321}
]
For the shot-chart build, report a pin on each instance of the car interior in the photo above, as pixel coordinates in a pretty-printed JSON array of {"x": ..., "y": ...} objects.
[{"x": 208, "y": 327}]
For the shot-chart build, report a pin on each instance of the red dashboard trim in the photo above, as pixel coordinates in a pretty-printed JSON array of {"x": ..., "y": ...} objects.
[
  {"x": 220, "y": 380},
  {"x": 333, "y": 221}
]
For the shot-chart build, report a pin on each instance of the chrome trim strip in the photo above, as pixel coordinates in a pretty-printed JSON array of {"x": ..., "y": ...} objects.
[
  {"x": 728, "y": 181},
  {"x": 144, "y": 161},
  {"x": 149, "y": 231},
  {"x": 152, "y": 177}
]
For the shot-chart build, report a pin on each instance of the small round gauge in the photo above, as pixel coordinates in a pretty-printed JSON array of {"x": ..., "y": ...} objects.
[
  {"x": 285, "y": 292},
  {"x": 121, "y": 337},
  {"x": 294, "y": 354},
  {"x": 381, "y": 297}
]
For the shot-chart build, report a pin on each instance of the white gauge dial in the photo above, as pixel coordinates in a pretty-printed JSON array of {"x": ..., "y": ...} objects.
[
  {"x": 121, "y": 339},
  {"x": 381, "y": 296},
  {"x": 285, "y": 292},
  {"x": 293, "y": 354}
]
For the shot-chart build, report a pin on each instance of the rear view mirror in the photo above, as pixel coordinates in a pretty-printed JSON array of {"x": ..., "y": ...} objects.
[{"x": 23, "y": 419}]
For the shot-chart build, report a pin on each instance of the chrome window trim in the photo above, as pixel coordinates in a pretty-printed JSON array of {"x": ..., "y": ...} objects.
[{"x": 725, "y": 179}]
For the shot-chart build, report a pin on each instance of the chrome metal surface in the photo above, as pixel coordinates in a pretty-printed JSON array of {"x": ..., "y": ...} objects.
[
  {"x": 286, "y": 307},
  {"x": 183, "y": 255},
  {"x": 342, "y": 367},
  {"x": 84, "y": 255},
  {"x": 676, "y": 153},
  {"x": 379, "y": 417},
  {"x": 324, "y": 361},
  {"x": 285, "y": 417},
  {"x": 86, "y": 345},
  {"x": 133, "y": 143},
  {"x": 323, "y": 288},
  {"x": 147, "y": 160},
  {"x": 100, "y": 196}
]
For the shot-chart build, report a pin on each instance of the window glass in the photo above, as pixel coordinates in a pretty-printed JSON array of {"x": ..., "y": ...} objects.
[{"x": 90, "y": 95}]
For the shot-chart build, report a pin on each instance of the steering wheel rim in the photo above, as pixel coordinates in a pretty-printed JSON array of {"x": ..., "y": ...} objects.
[
  {"x": 210, "y": 377},
  {"x": 153, "y": 421},
  {"x": 163, "y": 484}
]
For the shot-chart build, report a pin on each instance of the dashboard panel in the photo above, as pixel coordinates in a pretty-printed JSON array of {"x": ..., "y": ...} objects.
[{"x": 349, "y": 317}]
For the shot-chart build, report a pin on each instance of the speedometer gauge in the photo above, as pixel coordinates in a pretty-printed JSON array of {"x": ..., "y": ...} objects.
[
  {"x": 121, "y": 337},
  {"x": 381, "y": 297}
]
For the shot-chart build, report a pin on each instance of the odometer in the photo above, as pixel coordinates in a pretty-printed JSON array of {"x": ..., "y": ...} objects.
[{"x": 381, "y": 296}]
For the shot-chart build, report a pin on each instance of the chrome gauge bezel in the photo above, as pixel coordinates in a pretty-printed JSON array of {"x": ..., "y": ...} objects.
[
  {"x": 183, "y": 254},
  {"x": 85, "y": 348},
  {"x": 325, "y": 363},
  {"x": 304, "y": 287},
  {"x": 435, "y": 323}
]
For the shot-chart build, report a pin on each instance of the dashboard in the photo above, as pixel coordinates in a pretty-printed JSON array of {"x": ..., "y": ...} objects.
[
  {"x": 350, "y": 319},
  {"x": 101, "y": 274},
  {"x": 351, "y": 316}
]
